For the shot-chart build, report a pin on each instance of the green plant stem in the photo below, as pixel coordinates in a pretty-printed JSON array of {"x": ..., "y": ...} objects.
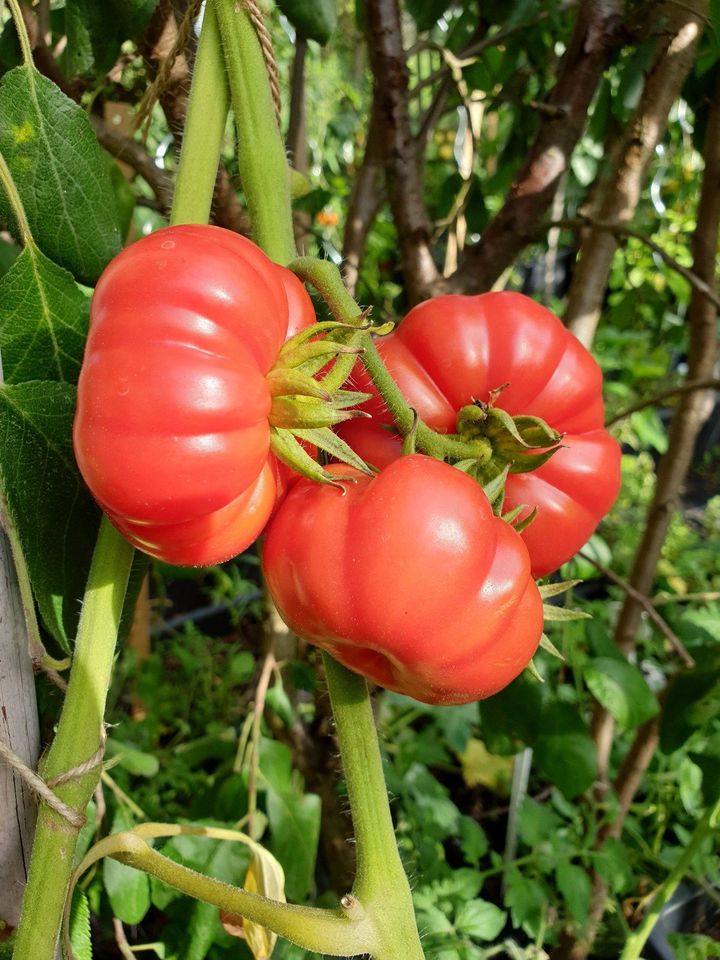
[
  {"x": 332, "y": 932},
  {"x": 16, "y": 205},
  {"x": 78, "y": 738},
  {"x": 381, "y": 885},
  {"x": 22, "y": 33},
  {"x": 637, "y": 940},
  {"x": 326, "y": 278},
  {"x": 264, "y": 171},
  {"x": 204, "y": 128}
]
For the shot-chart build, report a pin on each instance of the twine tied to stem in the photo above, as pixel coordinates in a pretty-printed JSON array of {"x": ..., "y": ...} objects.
[{"x": 44, "y": 789}]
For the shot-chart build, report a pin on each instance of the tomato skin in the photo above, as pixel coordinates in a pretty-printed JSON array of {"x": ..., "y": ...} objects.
[
  {"x": 407, "y": 578},
  {"x": 452, "y": 350},
  {"x": 171, "y": 432}
]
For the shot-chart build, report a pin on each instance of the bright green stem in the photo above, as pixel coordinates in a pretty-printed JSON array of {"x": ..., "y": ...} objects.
[
  {"x": 204, "y": 128},
  {"x": 77, "y": 740},
  {"x": 326, "y": 278},
  {"x": 21, "y": 32},
  {"x": 264, "y": 171},
  {"x": 336, "y": 933},
  {"x": 381, "y": 885},
  {"x": 637, "y": 940}
]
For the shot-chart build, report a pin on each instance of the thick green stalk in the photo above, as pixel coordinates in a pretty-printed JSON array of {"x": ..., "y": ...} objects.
[
  {"x": 637, "y": 940},
  {"x": 77, "y": 740},
  {"x": 204, "y": 128},
  {"x": 264, "y": 171},
  {"x": 381, "y": 885}
]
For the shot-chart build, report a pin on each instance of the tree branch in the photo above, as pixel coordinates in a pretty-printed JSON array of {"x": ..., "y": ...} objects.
[
  {"x": 366, "y": 198},
  {"x": 647, "y": 604},
  {"x": 135, "y": 155},
  {"x": 674, "y": 56},
  {"x": 399, "y": 148},
  {"x": 595, "y": 36},
  {"x": 619, "y": 230},
  {"x": 653, "y": 401}
]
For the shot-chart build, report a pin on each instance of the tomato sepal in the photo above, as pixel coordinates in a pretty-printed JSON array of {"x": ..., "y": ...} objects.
[
  {"x": 547, "y": 645},
  {"x": 287, "y": 448}
]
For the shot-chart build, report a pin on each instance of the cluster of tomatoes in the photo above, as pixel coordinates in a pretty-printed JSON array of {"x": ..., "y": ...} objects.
[{"x": 406, "y": 576}]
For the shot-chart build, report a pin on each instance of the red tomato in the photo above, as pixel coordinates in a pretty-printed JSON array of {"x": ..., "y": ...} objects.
[
  {"x": 407, "y": 578},
  {"x": 452, "y": 350},
  {"x": 171, "y": 432}
]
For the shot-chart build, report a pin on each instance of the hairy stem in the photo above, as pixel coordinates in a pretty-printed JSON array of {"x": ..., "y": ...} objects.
[
  {"x": 381, "y": 886},
  {"x": 204, "y": 127},
  {"x": 78, "y": 737},
  {"x": 263, "y": 167}
]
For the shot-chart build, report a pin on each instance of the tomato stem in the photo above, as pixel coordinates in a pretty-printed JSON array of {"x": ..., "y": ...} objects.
[
  {"x": 264, "y": 171},
  {"x": 79, "y": 735},
  {"x": 204, "y": 128},
  {"x": 381, "y": 884},
  {"x": 326, "y": 278}
]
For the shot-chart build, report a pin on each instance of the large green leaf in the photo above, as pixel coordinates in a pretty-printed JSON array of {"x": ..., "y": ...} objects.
[
  {"x": 295, "y": 826},
  {"x": 564, "y": 750},
  {"x": 620, "y": 687},
  {"x": 48, "y": 503},
  {"x": 60, "y": 173},
  {"x": 43, "y": 321},
  {"x": 691, "y": 703},
  {"x": 96, "y": 29}
]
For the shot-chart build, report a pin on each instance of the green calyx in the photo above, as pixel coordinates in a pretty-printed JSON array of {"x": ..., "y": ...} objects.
[
  {"x": 304, "y": 409},
  {"x": 523, "y": 443}
]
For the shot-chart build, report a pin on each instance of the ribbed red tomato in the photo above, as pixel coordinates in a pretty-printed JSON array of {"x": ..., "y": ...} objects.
[
  {"x": 452, "y": 350},
  {"x": 171, "y": 432},
  {"x": 407, "y": 578}
]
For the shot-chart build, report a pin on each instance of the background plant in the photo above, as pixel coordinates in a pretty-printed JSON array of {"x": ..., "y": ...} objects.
[{"x": 421, "y": 172}]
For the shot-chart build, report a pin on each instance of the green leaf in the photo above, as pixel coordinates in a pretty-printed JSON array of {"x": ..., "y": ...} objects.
[
  {"x": 128, "y": 889},
  {"x": 480, "y": 920},
  {"x": 510, "y": 718},
  {"x": 80, "y": 927},
  {"x": 564, "y": 750},
  {"x": 295, "y": 828},
  {"x": 96, "y": 30},
  {"x": 48, "y": 503},
  {"x": 613, "y": 866},
  {"x": 693, "y": 946},
  {"x": 620, "y": 687},
  {"x": 473, "y": 841},
  {"x": 60, "y": 173},
  {"x": 692, "y": 702},
  {"x": 135, "y": 761},
  {"x": 426, "y": 13},
  {"x": 537, "y": 822},
  {"x": 43, "y": 321},
  {"x": 709, "y": 763},
  {"x": 526, "y": 899},
  {"x": 574, "y": 884}
]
